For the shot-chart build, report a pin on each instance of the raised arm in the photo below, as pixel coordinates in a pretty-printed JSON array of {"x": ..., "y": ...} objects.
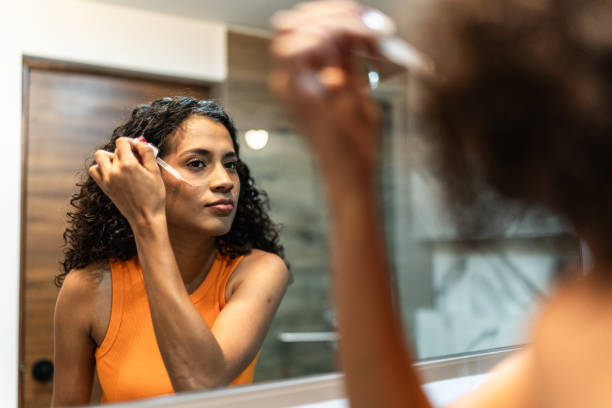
[
  {"x": 196, "y": 356},
  {"x": 317, "y": 78}
]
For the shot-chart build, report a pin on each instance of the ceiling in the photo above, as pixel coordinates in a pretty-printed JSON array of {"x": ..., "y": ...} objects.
[{"x": 253, "y": 14}]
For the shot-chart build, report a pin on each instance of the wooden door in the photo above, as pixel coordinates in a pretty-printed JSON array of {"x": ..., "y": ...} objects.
[{"x": 68, "y": 112}]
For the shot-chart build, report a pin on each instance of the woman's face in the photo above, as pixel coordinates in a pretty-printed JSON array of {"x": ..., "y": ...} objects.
[{"x": 201, "y": 150}]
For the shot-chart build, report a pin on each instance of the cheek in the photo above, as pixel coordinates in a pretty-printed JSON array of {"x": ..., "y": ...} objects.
[{"x": 179, "y": 200}]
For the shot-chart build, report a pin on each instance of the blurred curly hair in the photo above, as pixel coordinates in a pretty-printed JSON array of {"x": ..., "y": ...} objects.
[
  {"x": 523, "y": 107},
  {"x": 97, "y": 231}
]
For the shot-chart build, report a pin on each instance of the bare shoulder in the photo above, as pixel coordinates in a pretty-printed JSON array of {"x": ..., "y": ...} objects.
[
  {"x": 511, "y": 384},
  {"x": 265, "y": 260},
  {"x": 264, "y": 268},
  {"x": 84, "y": 294},
  {"x": 262, "y": 264},
  {"x": 81, "y": 284},
  {"x": 571, "y": 344},
  {"x": 574, "y": 300},
  {"x": 574, "y": 303}
]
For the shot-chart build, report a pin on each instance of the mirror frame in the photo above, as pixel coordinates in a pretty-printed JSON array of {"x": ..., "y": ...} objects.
[{"x": 328, "y": 388}]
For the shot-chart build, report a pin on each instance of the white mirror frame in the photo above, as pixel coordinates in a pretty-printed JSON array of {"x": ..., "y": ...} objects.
[{"x": 444, "y": 380}]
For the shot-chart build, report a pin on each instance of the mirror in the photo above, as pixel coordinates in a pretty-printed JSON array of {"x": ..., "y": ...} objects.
[
  {"x": 459, "y": 295},
  {"x": 453, "y": 300}
]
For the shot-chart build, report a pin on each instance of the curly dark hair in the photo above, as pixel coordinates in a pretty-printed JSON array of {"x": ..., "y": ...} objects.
[
  {"x": 523, "y": 104},
  {"x": 97, "y": 231}
]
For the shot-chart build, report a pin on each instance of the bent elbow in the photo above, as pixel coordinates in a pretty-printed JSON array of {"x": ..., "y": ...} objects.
[{"x": 201, "y": 381}]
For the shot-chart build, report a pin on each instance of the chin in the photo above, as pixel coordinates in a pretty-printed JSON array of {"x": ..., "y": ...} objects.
[
  {"x": 207, "y": 225},
  {"x": 217, "y": 227}
]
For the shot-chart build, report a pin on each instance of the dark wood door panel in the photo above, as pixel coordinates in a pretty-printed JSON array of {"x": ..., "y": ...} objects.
[{"x": 68, "y": 114}]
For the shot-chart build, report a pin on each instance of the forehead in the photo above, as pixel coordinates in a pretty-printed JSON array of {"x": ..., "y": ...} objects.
[{"x": 203, "y": 133}]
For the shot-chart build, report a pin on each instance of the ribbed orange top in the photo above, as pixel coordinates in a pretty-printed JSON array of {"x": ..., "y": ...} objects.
[{"x": 128, "y": 361}]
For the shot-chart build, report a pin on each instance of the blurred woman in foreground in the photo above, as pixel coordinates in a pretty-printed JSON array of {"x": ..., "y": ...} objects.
[{"x": 520, "y": 104}]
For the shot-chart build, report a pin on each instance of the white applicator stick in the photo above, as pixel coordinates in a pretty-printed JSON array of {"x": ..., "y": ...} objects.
[
  {"x": 159, "y": 161},
  {"x": 162, "y": 163}
]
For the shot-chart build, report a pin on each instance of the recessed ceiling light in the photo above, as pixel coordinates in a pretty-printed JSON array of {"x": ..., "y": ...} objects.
[{"x": 256, "y": 139}]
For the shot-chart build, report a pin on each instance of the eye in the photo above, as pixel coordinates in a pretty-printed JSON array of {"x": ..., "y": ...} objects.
[
  {"x": 232, "y": 165},
  {"x": 196, "y": 164}
]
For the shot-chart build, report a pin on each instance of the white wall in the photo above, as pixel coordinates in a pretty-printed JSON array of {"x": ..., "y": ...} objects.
[
  {"x": 114, "y": 36},
  {"x": 10, "y": 102},
  {"x": 91, "y": 33}
]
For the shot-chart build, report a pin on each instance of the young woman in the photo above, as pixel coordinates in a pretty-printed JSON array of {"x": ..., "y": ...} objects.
[
  {"x": 169, "y": 283},
  {"x": 520, "y": 104}
]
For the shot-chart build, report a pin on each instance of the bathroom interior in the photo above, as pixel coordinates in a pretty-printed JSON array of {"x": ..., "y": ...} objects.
[{"x": 72, "y": 71}]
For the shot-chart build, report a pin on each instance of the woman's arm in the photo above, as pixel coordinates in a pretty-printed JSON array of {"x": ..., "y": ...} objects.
[
  {"x": 376, "y": 362},
  {"x": 512, "y": 384},
  {"x": 318, "y": 79},
  {"x": 257, "y": 287},
  {"x": 196, "y": 356},
  {"x": 74, "y": 361}
]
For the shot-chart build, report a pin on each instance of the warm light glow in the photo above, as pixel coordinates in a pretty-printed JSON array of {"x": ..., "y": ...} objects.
[{"x": 256, "y": 139}]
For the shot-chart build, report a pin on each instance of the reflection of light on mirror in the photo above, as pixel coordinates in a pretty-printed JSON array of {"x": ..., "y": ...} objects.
[
  {"x": 374, "y": 79},
  {"x": 256, "y": 139}
]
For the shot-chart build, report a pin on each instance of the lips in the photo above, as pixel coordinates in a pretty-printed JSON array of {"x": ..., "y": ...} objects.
[{"x": 222, "y": 207}]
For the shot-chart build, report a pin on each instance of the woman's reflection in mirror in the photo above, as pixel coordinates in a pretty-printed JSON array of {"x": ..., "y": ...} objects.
[
  {"x": 521, "y": 105},
  {"x": 166, "y": 286}
]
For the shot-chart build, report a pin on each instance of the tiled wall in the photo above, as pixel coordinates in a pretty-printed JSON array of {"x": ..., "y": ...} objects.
[
  {"x": 285, "y": 169},
  {"x": 458, "y": 296}
]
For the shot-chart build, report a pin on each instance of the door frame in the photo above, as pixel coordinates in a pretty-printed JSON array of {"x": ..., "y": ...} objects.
[{"x": 217, "y": 92}]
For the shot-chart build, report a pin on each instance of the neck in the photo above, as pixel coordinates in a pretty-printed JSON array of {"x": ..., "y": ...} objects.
[{"x": 194, "y": 255}]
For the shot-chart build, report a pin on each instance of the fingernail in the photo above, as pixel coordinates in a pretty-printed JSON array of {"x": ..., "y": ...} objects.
[{"x": 378, "y": 22}]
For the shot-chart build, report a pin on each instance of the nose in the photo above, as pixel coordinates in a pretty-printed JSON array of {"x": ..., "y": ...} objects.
[{"x": 221, "y": 180}]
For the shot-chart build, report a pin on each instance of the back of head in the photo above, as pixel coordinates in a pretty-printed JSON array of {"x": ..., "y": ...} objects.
[{"x": 523, "y": 104}]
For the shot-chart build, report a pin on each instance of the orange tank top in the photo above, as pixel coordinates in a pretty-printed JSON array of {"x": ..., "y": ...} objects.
[{"x": 128, "y": 361}]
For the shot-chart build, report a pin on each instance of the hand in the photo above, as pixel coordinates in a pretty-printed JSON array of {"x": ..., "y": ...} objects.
[
  {"x": 132, "y": 180},
  {"x": 318, "y": 79}
]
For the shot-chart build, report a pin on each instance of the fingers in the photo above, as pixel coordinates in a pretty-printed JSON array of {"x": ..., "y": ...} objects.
[
  {"x": 95, "y": 173},
  {"x": 300, "y": 83},
  {"x": 340, "y": 22},
  {"x": 127, "y": 152},
  {"x": 123, "y": 150},
  {"x": 132, "y": 151},
  {"x": 318, "y": 75},
  {"x": 325, "y": 40},
  {"x": 104, "y": 160},
  {"x": 315, "y": 47},
  {"x": 310, "y": 46},
  {"x": 307, "y": 12},
  {"x": 145, "y": 153}
]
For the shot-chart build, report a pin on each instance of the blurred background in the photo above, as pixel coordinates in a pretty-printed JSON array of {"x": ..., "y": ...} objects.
[{"x": 72, "y": 71}]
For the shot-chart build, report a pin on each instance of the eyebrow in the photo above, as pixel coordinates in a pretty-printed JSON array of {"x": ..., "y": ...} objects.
[{"x": 208, "y": 153}]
